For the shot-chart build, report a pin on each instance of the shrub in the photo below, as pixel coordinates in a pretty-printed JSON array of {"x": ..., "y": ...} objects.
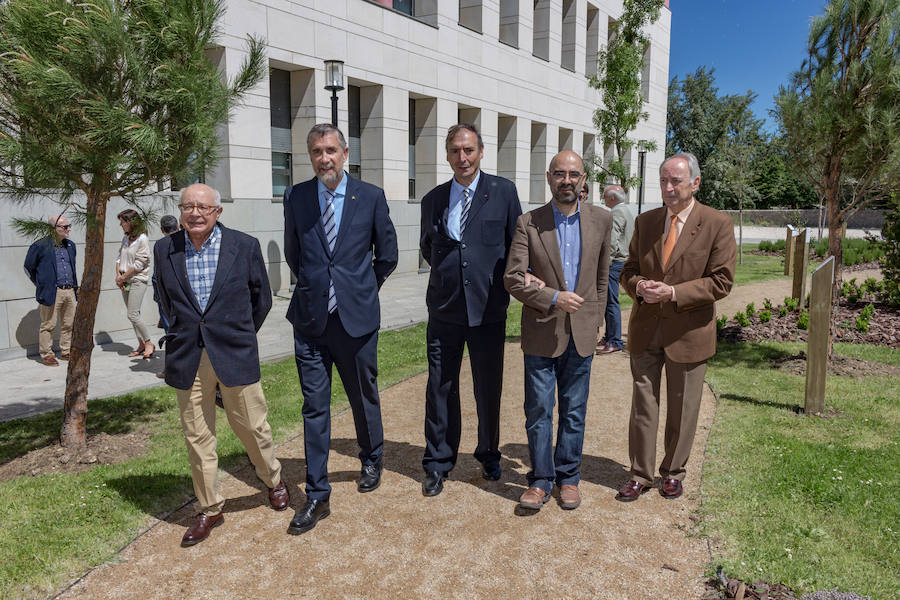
[
  {"x": 890, "y": 259},
  {"x": 792, "y": 303},
  {"x": 782, "y": 311},
  {"x": 867, "y": 311},
  {"x": 855, "y": 251},
  {"x": 862, "y": 325},
  {"x": 872, "y": 286},
  {"x": 742, "y": 319},
  {"x": 767, "y": 246},
  {"x": 767, "y": 304},
  {"x": 803, "y": 320},
  {"x": 751, "y": 309},
  {"x": 721, "y": 322},
  {"x": 765, "y": 316}
]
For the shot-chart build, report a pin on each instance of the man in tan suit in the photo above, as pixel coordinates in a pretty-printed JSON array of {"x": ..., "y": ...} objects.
[
  {"x": 565, "y": 245},
  {"x": 680, "y": 261}
]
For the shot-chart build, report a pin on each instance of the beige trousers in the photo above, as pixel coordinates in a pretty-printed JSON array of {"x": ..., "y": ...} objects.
[
  {"x": 684, "y": 387},
  {"x": 64, "y": 309},
  {"x": 246, "y": 410},
  {"x": 133, "y": 298}
]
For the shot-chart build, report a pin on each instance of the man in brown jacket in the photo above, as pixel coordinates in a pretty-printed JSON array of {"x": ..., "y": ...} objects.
[
  {"x": 680, "y": 261},
  {"x": 564, "y": 244}
]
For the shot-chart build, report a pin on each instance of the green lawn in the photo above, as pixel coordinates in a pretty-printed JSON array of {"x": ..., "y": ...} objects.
[{"x": 805, "y": 501}]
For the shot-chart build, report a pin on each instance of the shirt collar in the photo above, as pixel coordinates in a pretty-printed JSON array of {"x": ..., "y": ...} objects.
[
  {"x": 683, "y": 215},
  {"x": 457, "y": 188},
  {"x": 558, "y": 214},
  {"x": 340, "y": 190},
  {"x": 214, "y": 235}
]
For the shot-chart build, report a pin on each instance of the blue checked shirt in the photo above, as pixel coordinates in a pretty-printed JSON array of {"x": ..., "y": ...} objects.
[
  {"x": 201, "y": 266},
  {"x": 568, "y": 235}
]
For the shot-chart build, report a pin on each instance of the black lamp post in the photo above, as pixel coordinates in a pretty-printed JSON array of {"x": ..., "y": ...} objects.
[
  {"x": 334, "y": 82},
  {"x": 642, "y": 161}
]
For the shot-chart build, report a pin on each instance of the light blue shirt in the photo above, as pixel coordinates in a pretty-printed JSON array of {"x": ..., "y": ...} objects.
[
  {"x": 202, "y": 265},
  {"x": 456, "y": 205},
  {"x": 568, "y": 235},
  {"x": 339, "y": 193}
]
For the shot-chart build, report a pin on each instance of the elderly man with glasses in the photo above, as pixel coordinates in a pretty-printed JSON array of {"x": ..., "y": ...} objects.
[{"x": 50, "y": 264}]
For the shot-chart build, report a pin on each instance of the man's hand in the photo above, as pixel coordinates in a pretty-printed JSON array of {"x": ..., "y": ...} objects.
[
  {"x": 569, "y": 301},
  {"x": 529, "y": 279},
  {"x": 654, "y": 292}
]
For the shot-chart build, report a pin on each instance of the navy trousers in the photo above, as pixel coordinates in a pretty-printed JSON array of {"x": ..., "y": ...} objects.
[
  {"x": 442, "y": 410},
  {"x": 356, "y": 359}
]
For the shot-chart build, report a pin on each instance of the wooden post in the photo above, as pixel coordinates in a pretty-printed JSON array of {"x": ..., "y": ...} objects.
[
  {"x": 801, "y": 264},
  {"x": 819, "y": 330},
  {"x": 788, "y": 249}
]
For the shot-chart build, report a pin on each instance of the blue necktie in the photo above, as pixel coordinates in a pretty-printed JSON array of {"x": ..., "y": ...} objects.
[
  {"x": 330, "y": 235},
  {"x": 464, "y": 217}
]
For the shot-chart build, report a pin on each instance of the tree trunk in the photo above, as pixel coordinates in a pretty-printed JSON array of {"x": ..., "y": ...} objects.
[
  {"x": 833, "y": 206},
  {"x": 72, "y": 433}
]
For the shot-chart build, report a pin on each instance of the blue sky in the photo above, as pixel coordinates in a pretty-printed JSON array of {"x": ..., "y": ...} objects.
[{"x": 752, "y": 45}]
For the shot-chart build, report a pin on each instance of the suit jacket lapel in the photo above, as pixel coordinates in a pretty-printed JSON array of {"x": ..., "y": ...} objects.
[
  {"x": 350, "y": 201},
  {"x": 227, "y": 254},
  {"x": 657, "y": 234},
  {"x": 589, "y": 247},
  {"x": 479, "y": 199},
  {"x": 177, "y": 258},
  {"x": 310, "y": 213},
  {"x": 688, "y": 234},
  {"x": 543, "y": 220}
]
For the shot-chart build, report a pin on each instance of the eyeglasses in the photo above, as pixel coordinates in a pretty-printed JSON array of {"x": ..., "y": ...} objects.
[
  {"x": 64, "y": 227},
  {"x": 562, "y": 174},
  {"x": 200, "y": 208}
]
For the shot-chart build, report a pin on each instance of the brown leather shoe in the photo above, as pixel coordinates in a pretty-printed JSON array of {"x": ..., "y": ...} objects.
[
  {"x": 671, "y": 488},
  {"x": 279, "y": 497},
  {"x": 533, "y": 498},
  {"x": 608, "y": 349},
  {"x": 64, "y": 356},
  {"x": 569, "y": 497},
  {"x": 50, "y": 361},
  {"x": 631, "y": 491},
  {"x": 199, "y": 531}
]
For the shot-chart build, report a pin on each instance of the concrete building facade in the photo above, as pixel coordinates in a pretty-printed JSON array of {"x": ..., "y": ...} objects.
[{"x": 518, "y": 69}]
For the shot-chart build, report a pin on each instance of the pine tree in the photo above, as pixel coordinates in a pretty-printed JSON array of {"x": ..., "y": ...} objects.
[{"x": 101, "y": 99}]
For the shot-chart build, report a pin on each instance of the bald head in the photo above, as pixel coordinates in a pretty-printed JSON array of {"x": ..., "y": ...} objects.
[
  {"x": 613, "y": 195},
  {"x": 61, "y": 227},
  {"x": 200, "y": 192},
  {"x": 566, "y": 178}
]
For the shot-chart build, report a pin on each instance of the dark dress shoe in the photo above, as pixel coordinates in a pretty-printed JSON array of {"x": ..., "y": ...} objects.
[
  {"x": 631, "y": 491},
  {"x": 199, "y": 531},
  {"x": 491, "y": 471},
  {"x": 608, "y": 349},
  {"x": 307, "y": 517},
  {"x": 434, "y": 483},
  {"x": 671, "y": 488},
  {"x": 279, "y": 497},
  {"x": 370, "y": 477}
]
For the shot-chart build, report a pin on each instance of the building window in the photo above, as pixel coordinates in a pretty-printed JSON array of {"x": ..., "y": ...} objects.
[
  {"x": 412, "y": 149},
  {"x": 645, "y": 76},
  {"x": 592, "y": 41},
  {"x": 280, "y": 123},
  {"x": 568, "y": 35},
  {"x": 470, "y": 14},
  {"x": 566, "y": 137},
  {"x": 354, "y": 129},
  {"x": 404, "y": 6},
  {"x": 541, "y": 31},
  {"x": 509, "y": 22}
]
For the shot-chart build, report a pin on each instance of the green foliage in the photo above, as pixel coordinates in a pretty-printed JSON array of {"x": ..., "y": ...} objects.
[
  {"x": 721, "y": 322},
  {"x": 791, "y": 303},
  {"x": 751, "y": 309},
  {"x": 618, "y": 78},
  {"x": 768, "y": 246},
  {"x": 782, "y": 311},
  {"x": 854, "y": 251},
  {"x": 765, "y": 316},
  {"x": 890, "y": 262},
  {"x": 742, "y": 319},
  {"x": 767, "y": 304},
  {"x": 803, "y": 319}
]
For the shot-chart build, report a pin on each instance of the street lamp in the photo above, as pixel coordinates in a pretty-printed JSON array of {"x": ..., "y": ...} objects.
[
  {"x": 334, "y": 82},
  {"x": 642, "y": 161}
]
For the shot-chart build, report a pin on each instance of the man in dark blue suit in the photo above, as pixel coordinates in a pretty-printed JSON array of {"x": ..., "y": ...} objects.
[
  {"x": 467, "y": 226},
  {"x": 213, "y": 286},
  {"x": 341, "y": 246}
]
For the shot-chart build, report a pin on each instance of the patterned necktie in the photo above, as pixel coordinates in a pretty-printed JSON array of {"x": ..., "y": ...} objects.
[
  {"x": 330, "y": 235},
  {"x": 464, "y": 217},
  {"x": 670, "y": 241}
]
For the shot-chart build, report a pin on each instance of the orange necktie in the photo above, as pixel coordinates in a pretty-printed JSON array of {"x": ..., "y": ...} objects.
[{"x": 670, "y": 241}]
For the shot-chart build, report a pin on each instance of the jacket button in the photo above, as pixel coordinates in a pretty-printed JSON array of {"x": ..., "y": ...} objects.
[
  {"x": 465, "y": 263},
  {"x": 463, "y": 246},
  {"x": 467, "y": 282}
]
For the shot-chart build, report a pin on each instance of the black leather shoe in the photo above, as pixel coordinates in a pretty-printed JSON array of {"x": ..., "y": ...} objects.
[
  {"x": 434, "y": 483},
  {"x": 370, "y": 477},
  {"x": 307, "y": 517},
  {"x": 491, "y": 471}
]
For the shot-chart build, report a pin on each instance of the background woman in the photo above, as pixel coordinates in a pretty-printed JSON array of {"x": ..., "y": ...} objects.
[{"x": 133, "y": 274}]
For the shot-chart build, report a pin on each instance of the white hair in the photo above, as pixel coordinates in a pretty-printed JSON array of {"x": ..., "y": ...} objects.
[
  {"x": 692, "y": 162},
  {"x": 615, "y": 193},
  {"x": 217, "y": 197}
]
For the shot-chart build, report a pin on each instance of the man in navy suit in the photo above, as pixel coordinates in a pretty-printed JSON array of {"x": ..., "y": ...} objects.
[
  {"x": 341, "y": 246},
  {"x": 467, "y": 226},
  {"x": 213, "y": 287}
]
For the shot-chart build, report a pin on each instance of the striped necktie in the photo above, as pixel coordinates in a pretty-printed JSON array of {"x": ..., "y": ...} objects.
[
  {"x": 464, "y": 217},
  {"x": 331, "y": 236}
]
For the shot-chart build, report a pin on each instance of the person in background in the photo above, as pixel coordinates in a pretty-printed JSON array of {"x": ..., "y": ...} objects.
[
  {"x": 168, "y": 225},
  {"x": 623, "y": 228},
  {"x": 133, "y": 274},
  {"x": 50, "y": 265}
]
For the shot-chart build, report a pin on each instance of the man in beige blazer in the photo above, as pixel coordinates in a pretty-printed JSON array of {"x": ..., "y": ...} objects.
[
  {"x": 565, "y": 245},
  {"x": 680, "y": 261}
]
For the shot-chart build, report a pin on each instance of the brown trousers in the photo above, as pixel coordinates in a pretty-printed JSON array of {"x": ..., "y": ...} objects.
[
  {"x": 246, "y": 410},
  {"x": 684, "y": 387}
]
